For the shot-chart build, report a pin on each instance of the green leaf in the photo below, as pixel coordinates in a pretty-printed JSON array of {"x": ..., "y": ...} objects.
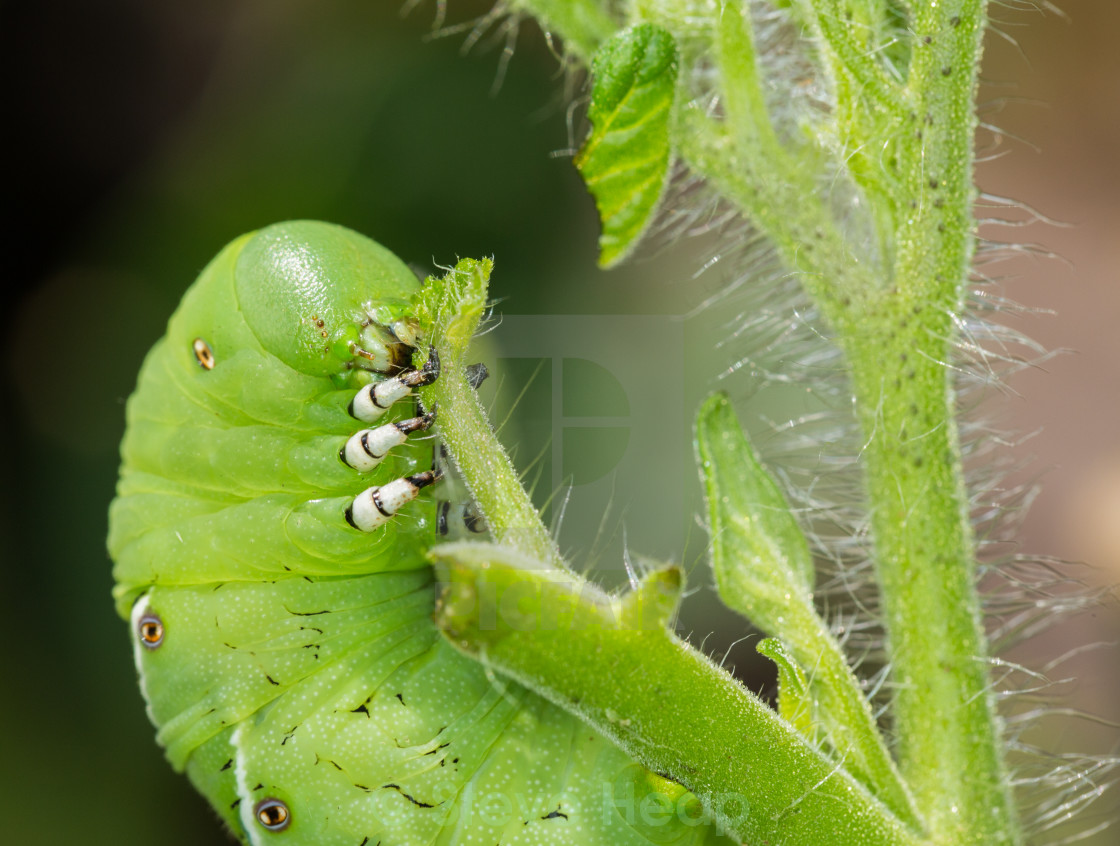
[
  {"x": 764, "y": 570},
  {"x": 794, "y": 702},
  {"x": 760, "y": 556},
  {"x": 625, "y": 159}
]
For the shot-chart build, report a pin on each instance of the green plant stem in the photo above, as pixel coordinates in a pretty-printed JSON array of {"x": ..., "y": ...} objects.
[
  {"x": 661, "y": 701},
  {"x": 897, "y": 331},
  {"x": 455, "y": 306},
  {"x": 851, "y": 56},
  {"x": 949, "y": 746},
  {"x": 949, "y": 742}
]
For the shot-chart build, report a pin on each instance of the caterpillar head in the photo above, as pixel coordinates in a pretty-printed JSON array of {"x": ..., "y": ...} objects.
[{"x": 324, "y": 300}]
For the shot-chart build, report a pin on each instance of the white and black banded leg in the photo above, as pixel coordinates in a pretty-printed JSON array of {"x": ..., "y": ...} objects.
[
  {"x": 364, "y": 450},
  {"x": 374, "y": 507},
  {"x": 378, "y": 397}
]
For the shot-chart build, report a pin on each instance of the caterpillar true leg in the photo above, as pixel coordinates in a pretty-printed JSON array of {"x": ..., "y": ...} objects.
[
  {"x": 365, "y": 449},
  {"x": 376, "y": 398},
  {"x": 373, "y": 507}
]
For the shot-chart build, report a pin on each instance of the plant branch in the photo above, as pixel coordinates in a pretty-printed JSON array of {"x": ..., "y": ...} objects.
[
  {"x": 851, "y": 57},
  {"x": 613, "y": 663},
  {"x": 949, "y": 741},
  {"x": 449, "y": 311},
  {"x": 764, "y": 570}
]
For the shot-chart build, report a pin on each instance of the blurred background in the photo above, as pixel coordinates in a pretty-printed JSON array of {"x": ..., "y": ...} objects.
[{"x": 146, "y": 136}]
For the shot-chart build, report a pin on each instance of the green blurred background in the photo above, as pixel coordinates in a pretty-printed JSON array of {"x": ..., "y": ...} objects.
[{"x": 149, "y": 134}]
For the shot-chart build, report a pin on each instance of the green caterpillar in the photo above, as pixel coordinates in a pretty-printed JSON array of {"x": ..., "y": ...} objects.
[{"x": 281, "y": 613}]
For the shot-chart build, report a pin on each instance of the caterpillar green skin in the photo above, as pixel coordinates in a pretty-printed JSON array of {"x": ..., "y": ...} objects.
[{"x": 288, "y": 660}]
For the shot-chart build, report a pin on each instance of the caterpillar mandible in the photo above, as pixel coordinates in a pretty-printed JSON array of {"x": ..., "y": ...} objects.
[{"x": 269, "y": 535}]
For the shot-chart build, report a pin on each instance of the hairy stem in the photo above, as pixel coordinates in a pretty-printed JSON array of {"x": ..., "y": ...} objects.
[
  {"x": 949, "y": 742},
  {"x": 613, "y": 663},
  {"x": 451, "y": 309}
]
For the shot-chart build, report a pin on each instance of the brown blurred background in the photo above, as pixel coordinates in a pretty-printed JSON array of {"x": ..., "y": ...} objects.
[{"x": 147, "y": 135}]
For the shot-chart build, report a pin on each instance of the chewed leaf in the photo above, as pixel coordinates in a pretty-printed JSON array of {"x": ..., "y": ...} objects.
[
  {"x": 450, "y": 308},
  {"x": 625, "y": 159}
]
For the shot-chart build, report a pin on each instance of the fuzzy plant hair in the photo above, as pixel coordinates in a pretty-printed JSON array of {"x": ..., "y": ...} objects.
[{"x": 825, "y": 151}]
